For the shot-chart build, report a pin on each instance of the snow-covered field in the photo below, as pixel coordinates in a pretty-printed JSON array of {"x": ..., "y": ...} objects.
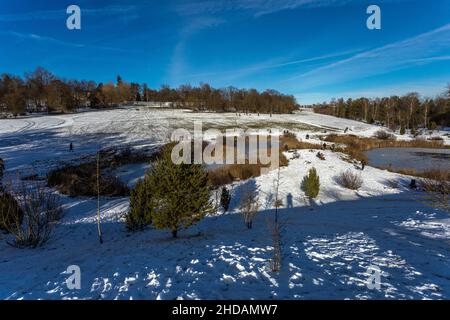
[{"x": 327, "y": 246}]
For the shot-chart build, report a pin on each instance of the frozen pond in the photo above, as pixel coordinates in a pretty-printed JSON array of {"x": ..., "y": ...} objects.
[{"x": 410, "y": 158}]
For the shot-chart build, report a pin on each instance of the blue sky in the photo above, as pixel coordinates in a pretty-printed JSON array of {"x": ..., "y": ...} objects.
[{"x": 313, "y": 49}]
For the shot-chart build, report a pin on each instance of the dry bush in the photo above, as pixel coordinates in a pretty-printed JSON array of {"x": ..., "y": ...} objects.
[
  {"x": 248, "y": 206},
  {"x": 365, "y": 144},
  {"x": 219, "y": 177},
  {"x": 436, "y": 174},
  {"x": 245, "y": 171},
  {"x": 234, "y": 172},
  {"x": 292, "y": 143},
  {"x": 427, "y": 174},
  {"x": 10, "y": 211},
  {"x": 350, "y": 180},
  {"x": 405, "y": 171},
  {"x": 229, "y": 173},
  {"x": 436, "y": 184},
  {"x": 40, "y": 209},
  {"x": 383, "y": 135},
  {"x": 116, "y": 157},
  {"x": 81, "y": 180},
  {"x": 279, "y": 203}
]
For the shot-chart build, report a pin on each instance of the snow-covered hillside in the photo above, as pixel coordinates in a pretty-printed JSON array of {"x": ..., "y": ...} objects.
[{"x": 327, "y": 246}]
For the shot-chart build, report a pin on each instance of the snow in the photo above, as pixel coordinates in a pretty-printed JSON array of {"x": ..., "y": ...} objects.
[{"x": 328, "y": 245}]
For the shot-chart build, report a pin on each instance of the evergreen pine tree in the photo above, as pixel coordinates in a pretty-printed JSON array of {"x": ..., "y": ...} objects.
[
  {"x": 141, "y": 207},
  {"x": 225, "y": 198},
  {"x": 181, "y": 193},
  {"x": 311, "y": 184}
]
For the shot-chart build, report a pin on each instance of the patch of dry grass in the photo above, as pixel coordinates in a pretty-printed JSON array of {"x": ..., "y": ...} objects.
[
  {"x": 229, "y": 173},
  {"x": 292, "y": 143}
]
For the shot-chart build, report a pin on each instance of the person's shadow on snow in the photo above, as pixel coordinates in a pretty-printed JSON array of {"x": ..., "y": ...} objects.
[{"x": 290, "y": 203}]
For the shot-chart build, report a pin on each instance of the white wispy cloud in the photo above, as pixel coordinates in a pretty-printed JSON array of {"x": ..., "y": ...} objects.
[
  {"x": 426, "y": 88},
  {"x": 425, "y": 48},
  {"x": 57, "y": 14},
  {"x": 257, "y": 7},
  {"x": 271, "y": 64},
  {"x": 46, "y": 39},
  {"x": 178, "y": 64}
]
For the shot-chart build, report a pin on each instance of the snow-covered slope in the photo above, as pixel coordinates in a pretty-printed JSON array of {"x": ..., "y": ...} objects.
[{"x": 327, "y": 245}]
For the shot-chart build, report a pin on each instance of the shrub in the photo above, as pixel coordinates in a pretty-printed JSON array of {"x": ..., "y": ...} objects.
[
  {"x": 249, "y": 207},
  {"x": 290, "y": 140},
  {"x": 383, "y": 135},
  {"x": 220, "y": 176},
  {"x": 279, "y": 203},
  {"x": 40, "y": 210},
  {"x": 229, "y": 173},
  {"x": 436, "y": 184},
  {"x": 11, "y": 214},
  {"x": 139, "y": 215},
  {"x": 350, "y": 180},
  {"x": 181, "y": 194},
  {"x": 81, "y": 180},
  {"x": 402, "y": 130},
  {"x": 225, "y": 198},
  {"x": 311, "y": 184}
]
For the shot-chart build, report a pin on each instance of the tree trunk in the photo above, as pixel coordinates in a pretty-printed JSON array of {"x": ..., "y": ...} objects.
[
  {"x": 100, "y": 234},
  {"x": 425, "y": 124},
  {"x": 174, "y": 233}
]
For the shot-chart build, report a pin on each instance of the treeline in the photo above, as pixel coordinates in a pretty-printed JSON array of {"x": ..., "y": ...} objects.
[
  {"x": 41, "y": 91},
  {"x": 405, "y": 112}
]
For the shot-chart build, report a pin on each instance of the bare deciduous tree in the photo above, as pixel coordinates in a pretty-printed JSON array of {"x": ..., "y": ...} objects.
[
  {"x": 248, "y": 206},
  {"x": 40, "y": 209}
]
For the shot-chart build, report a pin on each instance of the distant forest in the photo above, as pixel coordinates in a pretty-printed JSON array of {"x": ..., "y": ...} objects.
[
  {"x": 397, "y": 113},
  {"x": 41, "y": 91}
]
